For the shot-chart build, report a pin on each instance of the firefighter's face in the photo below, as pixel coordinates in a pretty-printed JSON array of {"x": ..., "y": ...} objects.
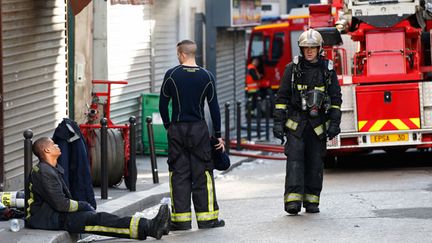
[
  {"x": 310, "y": 53},
  {"x": 53, "y": 149}
]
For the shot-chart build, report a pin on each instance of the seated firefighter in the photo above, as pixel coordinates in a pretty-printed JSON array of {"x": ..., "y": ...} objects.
[{"x": 51, "y": 206}]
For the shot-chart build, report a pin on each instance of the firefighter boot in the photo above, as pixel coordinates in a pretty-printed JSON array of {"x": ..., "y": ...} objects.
[
  {"x": 312, "y": 208},
  {"x": 211, "y": 224},
  {"x": 293, "y": 208},
  {"x": 159, "y": 225}
]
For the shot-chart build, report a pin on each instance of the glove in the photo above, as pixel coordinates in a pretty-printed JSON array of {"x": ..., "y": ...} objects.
[
  {"x": 85, "y": 206},
  {"x": 278, "y": 131},
  {"x": 333, "y": 131}
]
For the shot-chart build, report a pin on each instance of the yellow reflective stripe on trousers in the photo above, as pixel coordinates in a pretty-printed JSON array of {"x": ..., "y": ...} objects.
[
  {"x": 291, "y": 124},
  {"x": 206, "y": 216},
  {"x": 311, "y": 198},
  {"x": 73, "y": 206},
  {"x": 181, "y": 217},
  {"x": 133, "y": 227},
  {"x": 105, "y": 229},
  {"x": 280, "y": 106},
  {"x": 301, "y": 87},
  {"x": 210, "y": 192},
  {"x": 171, "y": 191},
  {"x": 319, "y": 130},
  {"x": 320, "y": 88},
  {"x": 293, "y": 197},
  {"x": 335, "y": 107}
]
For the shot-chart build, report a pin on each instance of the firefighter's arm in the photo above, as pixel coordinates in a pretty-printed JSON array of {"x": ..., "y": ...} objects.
[
  {"x": 334, "y": 92},
  {"x": 51, "y": 190},
  {"x": 164, "y": 99},
  {"x": 281, "y": 101},
  {"x": 335, "y": 114}
]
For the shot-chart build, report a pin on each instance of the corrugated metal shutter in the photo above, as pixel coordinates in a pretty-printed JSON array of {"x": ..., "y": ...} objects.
[
  {"x": 129, "y": 58},
  {"x": 230, "y": 70},
  {"x": 34, "y": 76},
  {"x": 165, "y": 39}
]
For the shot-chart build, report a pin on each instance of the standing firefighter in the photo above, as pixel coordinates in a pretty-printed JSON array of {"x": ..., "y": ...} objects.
[
  {"x": 307, "y": 111},
  {"x": 189, "y": 149}
]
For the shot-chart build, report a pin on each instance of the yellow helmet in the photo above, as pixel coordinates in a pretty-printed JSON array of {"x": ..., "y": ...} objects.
[{"x": 310, "y": 38}]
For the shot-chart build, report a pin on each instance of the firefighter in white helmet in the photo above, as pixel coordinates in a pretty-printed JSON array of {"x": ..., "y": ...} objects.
[{"x": 307, "y": 112}]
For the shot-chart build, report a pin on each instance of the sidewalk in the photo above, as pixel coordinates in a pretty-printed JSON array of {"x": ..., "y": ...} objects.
[{"x": 120, "y": 201}]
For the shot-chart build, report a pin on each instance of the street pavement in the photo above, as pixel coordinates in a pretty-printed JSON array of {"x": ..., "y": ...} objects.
[
  {"x": 374, "y": 198},
  {"x": 370, "y": 198}
]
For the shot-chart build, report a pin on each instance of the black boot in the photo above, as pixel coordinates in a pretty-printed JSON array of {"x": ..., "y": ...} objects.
[
  {"x": 159, "y": 225},
  {"x": 312, "y": 208},
  {"x": 293, "y": 208},
  {"x": 211, "y": 224},
  {"x": 174, "y": 226}
]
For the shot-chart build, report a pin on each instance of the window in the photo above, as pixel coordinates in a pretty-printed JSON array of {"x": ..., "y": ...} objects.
[
  {"x": 278, "y": 45},
  {"x": 257, "y": 45}
]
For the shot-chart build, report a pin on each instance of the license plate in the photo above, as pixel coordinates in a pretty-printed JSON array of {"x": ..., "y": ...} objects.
[{"x": 384, "y": 138}]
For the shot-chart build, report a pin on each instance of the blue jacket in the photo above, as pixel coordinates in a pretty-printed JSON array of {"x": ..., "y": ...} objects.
[{"x": 75, "y": 161}]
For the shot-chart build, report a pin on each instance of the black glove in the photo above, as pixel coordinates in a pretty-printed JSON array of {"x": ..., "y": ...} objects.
[
  {"x": 333, "y": 131},
  {"x": 278, "y": 131},
  {"x": 85, "y": 206}
]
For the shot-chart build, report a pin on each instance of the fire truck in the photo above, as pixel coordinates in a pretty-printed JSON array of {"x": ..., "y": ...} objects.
[{"x": 383, "y": 61}]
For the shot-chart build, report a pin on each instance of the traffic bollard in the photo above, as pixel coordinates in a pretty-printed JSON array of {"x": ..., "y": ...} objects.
[
  {"x": 104, "y": 157},
  {"x": 267, "y": 117},
  {"x": 152, "y": 150},
  {"x": 132, "y": 169},
  {"x": 258, "y": 118},
  {"x": 249, "y": 120},
  {"x": 227, "y": 127},
  {"x": 28, "y": 163},
  {"x": 238, "y": 147}
]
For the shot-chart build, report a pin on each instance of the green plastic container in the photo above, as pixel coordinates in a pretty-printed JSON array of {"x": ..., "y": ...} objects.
[{"x": 150, "y": 107}]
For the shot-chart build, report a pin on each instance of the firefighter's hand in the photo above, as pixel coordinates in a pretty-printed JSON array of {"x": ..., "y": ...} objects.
[
  {"x": 333, "y": 131},
  {"x": 220, "y": 145},
  {"x": 85, "y": 206},
  {"x": 278, "y": 131}
]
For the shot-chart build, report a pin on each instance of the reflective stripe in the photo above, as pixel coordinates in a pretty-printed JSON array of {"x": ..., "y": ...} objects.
[
  {"x": 319, "y": 130},
  {"x": 280, "y": 106},
  {"x": 181, "y": 217},
  {"x": 105, "y": 229},
  {"x": 171, "y": 192},
  {"x": 30, "y": 200},
  {"x": 291, "y": 124},
  {"x": 206, "y": 216},
  {"x": 73, "y": 206},
  {"x": 301, "y": 87},
  {"x": 335, "y": 107},
  {"x": 320, "y": 88},
  {"x": 210, "y": 195},
  {"x": 35, "y": 168},
  {"x": 311, "y": 198},
  {"x": 133, "y": 227},
  {"x": 293, "y": 197}
]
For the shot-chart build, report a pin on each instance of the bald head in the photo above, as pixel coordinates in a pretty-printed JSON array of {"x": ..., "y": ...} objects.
[{"x": 187, "y": 47}]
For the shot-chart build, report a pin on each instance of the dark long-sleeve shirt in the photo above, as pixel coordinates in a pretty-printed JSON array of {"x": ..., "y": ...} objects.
[{"x": 188, "y": 87}]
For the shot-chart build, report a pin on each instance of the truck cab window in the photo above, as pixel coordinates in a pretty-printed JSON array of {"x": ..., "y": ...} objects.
[
  {"x": 257, "y": 47},
  {"x": 277, "y": 46}
]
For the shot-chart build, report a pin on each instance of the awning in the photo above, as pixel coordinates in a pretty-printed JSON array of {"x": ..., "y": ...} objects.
[{"x": 78, "y": 5}]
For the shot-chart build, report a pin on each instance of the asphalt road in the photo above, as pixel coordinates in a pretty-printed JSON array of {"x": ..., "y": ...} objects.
[{"x": 373, "y": 198}]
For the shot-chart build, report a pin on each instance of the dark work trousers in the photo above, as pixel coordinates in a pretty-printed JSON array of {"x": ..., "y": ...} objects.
[
  {"x": 191, "y": 172},
  {"x": 304, "y": 169},
  {"x": 104, "y": 224}
]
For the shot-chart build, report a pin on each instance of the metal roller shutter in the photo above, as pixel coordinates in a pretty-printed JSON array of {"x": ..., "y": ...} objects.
[
  {"x": 230, "y": 70},
  {"x": 129, "y": 58},
  {"x": 34, "y": 76},
  {"x": 165, "y": 39}
]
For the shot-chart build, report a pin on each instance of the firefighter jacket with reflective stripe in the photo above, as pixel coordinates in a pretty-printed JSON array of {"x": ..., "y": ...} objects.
[
  {"x": 304, "y": 76},
  {"x": 252, "y": 79},
  {"x": 49, "y": 197}
]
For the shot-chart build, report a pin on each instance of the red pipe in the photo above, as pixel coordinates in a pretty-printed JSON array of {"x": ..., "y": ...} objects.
[
  {"x": 258, "y": 156},
  {"x": 262, "y": 147}
]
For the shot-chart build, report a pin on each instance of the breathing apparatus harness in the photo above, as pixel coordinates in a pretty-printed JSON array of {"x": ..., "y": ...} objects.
[{"x": 313, "y": 99}]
